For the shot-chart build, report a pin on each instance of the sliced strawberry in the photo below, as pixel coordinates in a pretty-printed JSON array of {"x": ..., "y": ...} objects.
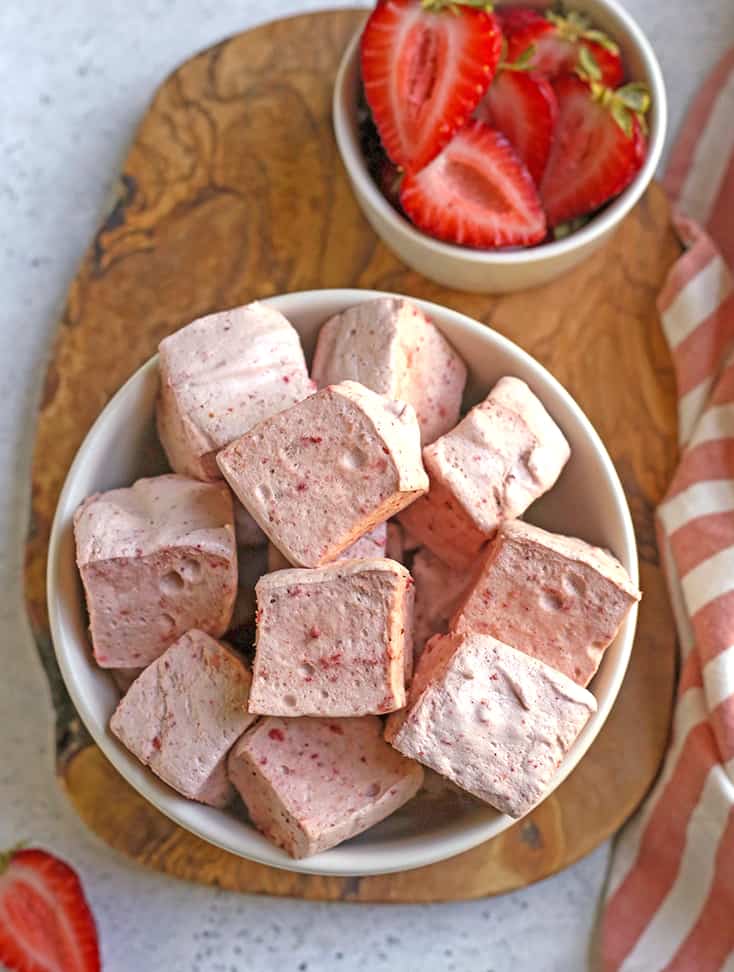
[
  {"x": 524, "y": 108},
  {"x": 45, "y": 921},
  {"x": 476, "y": 192},
  {"x": 598, "y": 148},
  {"x": 555, "y": 43},
  {"x": 425, "y": 66}
]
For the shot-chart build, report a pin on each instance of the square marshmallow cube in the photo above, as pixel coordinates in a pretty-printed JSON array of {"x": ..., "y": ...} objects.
[
  {"x": 336, "y": 641},
  {"x": 555, "y": 597},
  {"x": 156, "y": 559},
  {"x": 222, "y": 374},
  {"x": 490, "y": 718},
  {"x": 183, "y": 715},
  {"x": 320, "y": 475},
  {"x": 501, "y": 457},
  {"x": 390, "y": 346},
  {"x": 310, "y": 784}
]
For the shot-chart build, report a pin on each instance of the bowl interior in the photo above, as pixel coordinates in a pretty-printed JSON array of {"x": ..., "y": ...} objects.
[
  {"x": 641, "y": 64},
  {"x": 588, "y": 501}
]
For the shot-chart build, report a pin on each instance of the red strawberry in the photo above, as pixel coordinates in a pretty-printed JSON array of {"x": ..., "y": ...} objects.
[
  {"x": 524, "y": 108},
  {"x": 45, "y": 921},
  {"x": 476, "y": 192},
  {"x": 556, "y": 40},
  {"x": 425, "y": 66},
  {"x": 512, "y": 19},
  {"x": 598, "y": 147}
]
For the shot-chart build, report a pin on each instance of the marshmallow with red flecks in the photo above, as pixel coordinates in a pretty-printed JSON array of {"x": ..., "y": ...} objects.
[
  {"x": 389, "y": 345},
  {"x": 334, "y": 641},
  {"x": 184, "y": 713},
  {"x": 438, "y": 591},
  {"x": 156, "y": 559},
  {"x": 555, "y": 597},
  {"x": 220, "y": 376},
  {"x": 495, "y": 721},
  {"x": 501, "y": 457},
  {"x": 321, "y": 474},
  {"x": 372, "y": 544},
  {"x": 310, "y": 784}
]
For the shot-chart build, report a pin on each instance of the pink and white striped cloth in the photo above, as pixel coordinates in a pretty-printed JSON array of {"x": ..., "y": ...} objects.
[{"x": 670, "y": 903}]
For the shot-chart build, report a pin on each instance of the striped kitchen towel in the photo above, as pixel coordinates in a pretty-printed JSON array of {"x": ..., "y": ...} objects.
[{"x": 670, "y": 903}]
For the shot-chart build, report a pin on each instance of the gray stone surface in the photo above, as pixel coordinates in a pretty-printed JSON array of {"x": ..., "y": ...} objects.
[{"x": 74, "y": 79}]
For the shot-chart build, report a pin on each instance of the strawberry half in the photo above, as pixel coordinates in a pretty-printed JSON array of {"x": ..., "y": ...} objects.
[
  {"x": 476, "y": 192},
  {"x": 425, "y": 66},
  {"x": 524, "y": 108},
  {"x": 45, "y": 921},
  {"x": 555, "y": 43},
  {"x": 598, "y": 148}
]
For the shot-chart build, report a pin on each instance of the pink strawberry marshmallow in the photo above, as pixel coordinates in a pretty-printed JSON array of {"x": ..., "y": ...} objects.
[
  {"x": 310, "y": 784},
  {"x": 184, "y": 713},
  {"x": 220, "y": 376},
  {"x": 155, "y": 559},
  {"x": 501, "y": 457},
  {"x": 335, "y": 641},
  {"x": 495, "y": 721},
  {"x": 555, "y": 597},
  {"x": 390, "y": 346},
  {"x": 372, "y": 544},
  {"x": 321, "y": 474}
]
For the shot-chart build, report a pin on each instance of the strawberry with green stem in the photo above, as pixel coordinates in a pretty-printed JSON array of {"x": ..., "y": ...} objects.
[
  {"x": 425, "y": 66},
  {"x": 522, "y": 105},
  {"x": 599, "y": 144},
  {"x": 557, "y": 41}
]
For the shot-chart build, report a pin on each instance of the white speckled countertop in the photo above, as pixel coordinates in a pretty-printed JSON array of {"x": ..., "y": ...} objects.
[{"x": 74, "y": 79}]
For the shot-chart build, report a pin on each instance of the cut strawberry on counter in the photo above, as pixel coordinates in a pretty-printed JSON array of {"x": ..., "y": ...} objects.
[
  {"x": 555, "y": 42},
  {"x": 599, "y": 146},
  {"x": 523, "y": 107},
  {"x": 425, "y": 66},
  {"x": 476, "y": 192},
  {"x": 45, "y": 921}
]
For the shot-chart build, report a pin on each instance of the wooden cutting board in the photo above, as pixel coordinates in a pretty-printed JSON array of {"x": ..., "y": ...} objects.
[{"x": 233, "y": 190}]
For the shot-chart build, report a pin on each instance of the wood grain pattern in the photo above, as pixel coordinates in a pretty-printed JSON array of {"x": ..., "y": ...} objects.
[{"x": 233, "y": 190}]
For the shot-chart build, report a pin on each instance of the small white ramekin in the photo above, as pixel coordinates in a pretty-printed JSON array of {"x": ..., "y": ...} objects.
[
  {"x": 489, "y": 271},
  {"x": 587, "y": 501}
]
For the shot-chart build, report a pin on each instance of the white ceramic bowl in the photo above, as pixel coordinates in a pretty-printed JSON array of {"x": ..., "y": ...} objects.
[
  {"x": 587, "y": 501},
  {"x": 487, "y": 271}
]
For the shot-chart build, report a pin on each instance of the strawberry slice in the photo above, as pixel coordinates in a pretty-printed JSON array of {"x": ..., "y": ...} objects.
[
  {"x": 425, "y": 66},
  {"x": 476, "y": 192},
  {"x": 45, "y": 921},
  {"x": 524, "y": 108},
  {"x": 598, "y": 148},
  {"x": 555, "y": 42}
]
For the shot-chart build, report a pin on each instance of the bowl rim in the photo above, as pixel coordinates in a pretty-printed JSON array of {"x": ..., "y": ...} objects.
[
  {"x": 347, "y": 139},
  {"x": 411, "y": 852}
]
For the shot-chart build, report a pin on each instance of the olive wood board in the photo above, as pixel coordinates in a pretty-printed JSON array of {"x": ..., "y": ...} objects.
[{"x": 233, "y": 190}]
